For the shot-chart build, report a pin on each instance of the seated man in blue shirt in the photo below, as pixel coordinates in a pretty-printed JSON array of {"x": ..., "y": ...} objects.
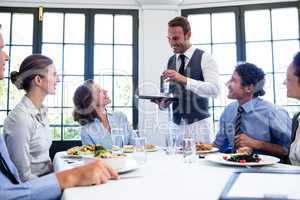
[
  {"x": 49, "y": 186},
  {"x": 251, "y": 122}
]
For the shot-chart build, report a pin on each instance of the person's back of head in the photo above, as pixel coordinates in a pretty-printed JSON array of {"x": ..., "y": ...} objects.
[{"x": 250, "y": 74}]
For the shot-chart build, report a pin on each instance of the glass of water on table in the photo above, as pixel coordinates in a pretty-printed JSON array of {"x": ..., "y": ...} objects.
[
  {"x": 117, "y": 141},
  {"x": 140, "y": 153},
  {"x": 189, "y": 147}
]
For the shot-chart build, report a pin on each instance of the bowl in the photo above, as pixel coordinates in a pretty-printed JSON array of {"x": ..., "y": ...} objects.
[{"x": 117, "y": 163}]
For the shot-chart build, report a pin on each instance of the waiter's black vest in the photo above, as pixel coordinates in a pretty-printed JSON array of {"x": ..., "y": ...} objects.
[{"x": 190, "y": 106}]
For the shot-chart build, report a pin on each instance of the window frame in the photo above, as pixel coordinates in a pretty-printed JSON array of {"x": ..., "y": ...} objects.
[
  {"x": 240, "y": 34},
  {"x": 88, "y": 48}
]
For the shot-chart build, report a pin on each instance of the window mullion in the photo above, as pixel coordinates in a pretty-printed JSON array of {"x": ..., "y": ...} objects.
[
  {"x": 240, "y": 35},
  {"x": 89, "y": 45},
  {"x": 37, "y": 32}
]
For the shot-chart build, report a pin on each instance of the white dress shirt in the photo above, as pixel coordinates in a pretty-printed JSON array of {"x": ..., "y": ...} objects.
[
  {"x": 295, "y": 148},
  {"x": 210, "y": 87},
  {"x": 28, "y": 139}
]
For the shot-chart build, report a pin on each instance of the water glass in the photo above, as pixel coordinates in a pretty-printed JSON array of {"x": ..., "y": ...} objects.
[
  {"x": 117, "y": 141},
  {"x": 178, "y": 142},
  {"x": 140, "y": 153},
  {"x": 170, "y": 143},
  {"x": 189, "y": 148}
]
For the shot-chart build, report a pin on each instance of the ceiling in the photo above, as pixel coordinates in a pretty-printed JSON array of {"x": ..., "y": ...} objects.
[{"x": 158, "y": 2}]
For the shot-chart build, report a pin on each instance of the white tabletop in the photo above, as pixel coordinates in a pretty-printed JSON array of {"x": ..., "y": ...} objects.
[{"x": 162, "y": 177}]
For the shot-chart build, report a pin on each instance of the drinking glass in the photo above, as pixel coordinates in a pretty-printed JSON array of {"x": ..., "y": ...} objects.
[
  {"x": 189, "y": 146},
  {"x": 170, "y": 143},
  {"x": 170, "y": 137},
  {"x": 117, "y": 141},
  {"x": 140, "y": 153}
]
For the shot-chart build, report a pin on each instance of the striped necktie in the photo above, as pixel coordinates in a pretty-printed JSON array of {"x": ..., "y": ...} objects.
[{"x": 238, "y": 120}]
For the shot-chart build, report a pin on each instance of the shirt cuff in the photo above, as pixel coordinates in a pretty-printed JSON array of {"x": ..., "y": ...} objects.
[
  {"x": 45, "y": 187},
  {"x": 188, "y": 83}
]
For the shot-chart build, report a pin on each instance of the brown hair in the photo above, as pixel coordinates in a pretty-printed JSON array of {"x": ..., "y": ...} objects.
[
  {"x": 296, "y": 65},
  {"x": 84, "y": 112},
  {"x": 32, "y": 66},
  {"x": 182, "y": 22}
]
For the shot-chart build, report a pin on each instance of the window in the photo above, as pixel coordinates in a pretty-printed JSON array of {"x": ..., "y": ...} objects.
[
  {"x": 257, "y": 34},
  {"x": 67, "y": 51},
  {"x": 113, "y": 65},
  {"x": 18, "y": 46},
  {"x": 104, "y": 48}
]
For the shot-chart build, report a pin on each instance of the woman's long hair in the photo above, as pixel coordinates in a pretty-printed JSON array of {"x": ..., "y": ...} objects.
[{"x": 84, "y": 111}]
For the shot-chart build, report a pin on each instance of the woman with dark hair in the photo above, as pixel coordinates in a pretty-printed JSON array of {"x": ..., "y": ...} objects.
[
  {"x": 90, "y": 102},
  {"x": 26, "y": 129},
  {"x": 292, "y": 83}
]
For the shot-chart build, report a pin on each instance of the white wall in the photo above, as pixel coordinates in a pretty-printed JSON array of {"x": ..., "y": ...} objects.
[{"x": 154, "y": 53}]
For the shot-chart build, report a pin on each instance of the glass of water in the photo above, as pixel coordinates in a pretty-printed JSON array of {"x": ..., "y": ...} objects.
[
  {"x": 170, "y": 143},
  {"x": 189, "y": 147},
  {"x": 140, "y": 153},
  {"x": 117, "y": 141}
]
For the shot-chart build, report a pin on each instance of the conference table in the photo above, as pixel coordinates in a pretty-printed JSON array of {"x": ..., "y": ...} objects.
[{"x": 161, "y": 177}]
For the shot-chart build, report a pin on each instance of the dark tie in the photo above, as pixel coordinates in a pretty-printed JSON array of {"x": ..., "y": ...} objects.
[
  {"x": 182, "y": 65},
  {"x": 6, "y": 171},
  {"x": 238, "y": 120},
  {"x": 237, "y": 125}
]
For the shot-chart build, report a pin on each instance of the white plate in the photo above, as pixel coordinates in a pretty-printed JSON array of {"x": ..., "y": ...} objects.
[
  {"x": 80, "y": 156},
  {"x": 121, "y": 165},
  {"x": 265, "y": 160},
  {"x": 214, "y": 149}
]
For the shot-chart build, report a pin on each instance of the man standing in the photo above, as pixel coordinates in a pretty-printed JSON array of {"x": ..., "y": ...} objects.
[
  {"x": 251, "y": 122},
  {"x": 193, "y": 76}
]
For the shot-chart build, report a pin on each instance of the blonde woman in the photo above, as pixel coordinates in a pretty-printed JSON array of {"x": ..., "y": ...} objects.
[{"x": 90, "y": 101}]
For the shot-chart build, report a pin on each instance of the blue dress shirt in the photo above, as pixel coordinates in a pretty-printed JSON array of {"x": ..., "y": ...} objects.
[
  {"x": 96, "y": 133},
  {"x": 46, "y": 187},
  {"x": 261, "y": 120}
]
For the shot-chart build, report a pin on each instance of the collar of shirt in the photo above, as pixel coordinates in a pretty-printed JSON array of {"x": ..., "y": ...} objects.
[
  {"x": 249, "y": 106},
  {"x": 109, "y": 117},
  {"x": 40, "y": 114},
  {"x": 188, "y": 54}
]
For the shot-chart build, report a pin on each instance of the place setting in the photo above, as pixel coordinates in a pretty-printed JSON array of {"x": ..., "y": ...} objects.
[{"x": 243, "y": 157}]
